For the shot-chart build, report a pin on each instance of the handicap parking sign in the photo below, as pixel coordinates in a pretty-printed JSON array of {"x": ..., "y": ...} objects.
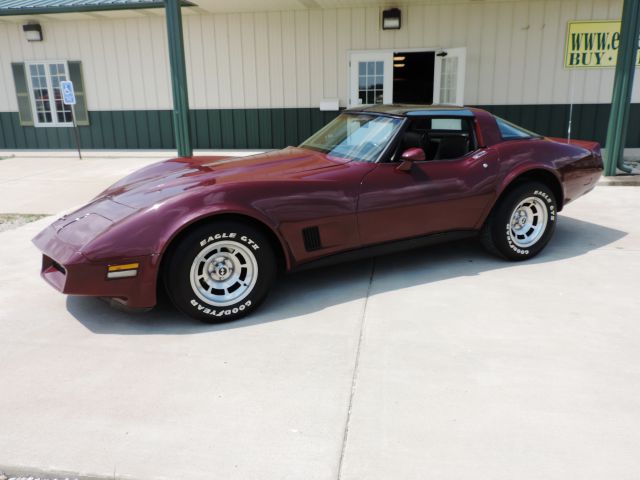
[{"x": 68, "y": 95}]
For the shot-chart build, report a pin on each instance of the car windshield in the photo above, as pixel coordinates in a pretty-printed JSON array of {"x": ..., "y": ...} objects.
[{"x": 356, "y": 136}]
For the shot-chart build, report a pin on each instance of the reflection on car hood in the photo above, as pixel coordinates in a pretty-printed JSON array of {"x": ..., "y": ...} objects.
[{"x": 163, "y": 180}]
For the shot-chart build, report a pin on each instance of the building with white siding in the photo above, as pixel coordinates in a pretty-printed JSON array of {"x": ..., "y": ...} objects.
[{"x": 258, "y": 71}]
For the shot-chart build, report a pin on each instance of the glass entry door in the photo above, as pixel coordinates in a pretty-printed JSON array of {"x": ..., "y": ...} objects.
[
  {"x": 448, "y": 81},
  {"x": 386, "y": 77},
  {"x": 371, "y": 78}
]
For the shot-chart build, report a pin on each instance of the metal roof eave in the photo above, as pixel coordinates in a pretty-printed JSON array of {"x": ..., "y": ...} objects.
[{"x": 25, "y": 11}]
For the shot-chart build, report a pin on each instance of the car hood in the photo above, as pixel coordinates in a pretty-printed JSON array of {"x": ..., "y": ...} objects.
[{"x": 155, "y": 183}]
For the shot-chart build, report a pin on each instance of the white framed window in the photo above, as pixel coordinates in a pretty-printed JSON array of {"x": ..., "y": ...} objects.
[
  {"x": 46, "y": 96},
  {"x": 371, "y": 80}
]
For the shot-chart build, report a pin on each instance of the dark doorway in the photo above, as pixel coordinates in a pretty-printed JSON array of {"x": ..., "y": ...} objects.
[{"x": 413, "y": 77}]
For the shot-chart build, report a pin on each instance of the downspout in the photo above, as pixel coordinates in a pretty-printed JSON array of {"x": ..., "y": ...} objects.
[
  {"x": 623, "y": 88},
  {"x": 181, "y": 124}
]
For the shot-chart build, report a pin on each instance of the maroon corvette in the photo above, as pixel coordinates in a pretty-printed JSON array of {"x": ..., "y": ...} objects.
[{"x": 215, "y": 231}]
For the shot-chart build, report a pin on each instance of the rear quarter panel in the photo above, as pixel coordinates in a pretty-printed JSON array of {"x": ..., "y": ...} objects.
[{"x": 576, "y": 168}]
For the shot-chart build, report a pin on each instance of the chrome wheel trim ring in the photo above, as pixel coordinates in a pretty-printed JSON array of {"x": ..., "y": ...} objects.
[
  {"x": 528, "y": 222},
  {"x": 223, "y": 273}
]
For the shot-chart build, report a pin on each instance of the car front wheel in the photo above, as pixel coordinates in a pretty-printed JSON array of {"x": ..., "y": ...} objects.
[
  {"x": 522, "y": 223},
  {"x": 220, "y": 271}
]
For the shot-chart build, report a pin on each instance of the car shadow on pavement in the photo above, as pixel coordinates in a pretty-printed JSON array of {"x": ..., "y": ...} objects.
[{"x": 315, "y": 290}]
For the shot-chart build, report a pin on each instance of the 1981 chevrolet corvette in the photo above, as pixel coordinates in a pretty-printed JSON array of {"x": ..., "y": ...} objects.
[{"x": 215, "y": 231}]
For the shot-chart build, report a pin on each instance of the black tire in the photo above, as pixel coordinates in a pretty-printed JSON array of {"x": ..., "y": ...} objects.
[
  {"x": 498, "y": 235},
  {"x": 227, "y": 250}
]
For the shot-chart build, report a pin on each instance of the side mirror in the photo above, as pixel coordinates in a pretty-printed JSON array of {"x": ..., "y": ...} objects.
[{"x": 409, "y": 156}]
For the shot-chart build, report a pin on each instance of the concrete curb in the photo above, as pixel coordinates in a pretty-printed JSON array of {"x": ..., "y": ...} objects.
[
  {"x": 6, "y": 154},
  {"x": 620, "y": 181},
  {"x": 9, "y": 473}
]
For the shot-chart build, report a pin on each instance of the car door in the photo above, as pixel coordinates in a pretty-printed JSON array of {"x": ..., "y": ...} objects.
[{"x": 433, "y": 196}]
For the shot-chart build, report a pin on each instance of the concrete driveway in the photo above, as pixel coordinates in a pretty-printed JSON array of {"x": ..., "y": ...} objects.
[{"x": 438, "y": 363}]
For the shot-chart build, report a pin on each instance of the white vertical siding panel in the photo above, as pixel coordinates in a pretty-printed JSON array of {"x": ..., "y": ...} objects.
[
  {"x": 316, "y": 54},
  {"x": 145, "y": 66},
  {"x": 302, "y": 59},
  {"x": 133, "y": 77},
  {"x": 344, "y": 44},
  {"x": 209, "y": 63},
  {"x": 249, "y": 60},
  {"x": 564, "y": 79},
  {"x": 8, "y": 101},
  {"x": 460, "y": 25},
  {"x": 94, "y": 64},
  {"x": 414, "y": 26},
  {"x": 222, "y": 57},
  {"x": 372, "y": 28},
  {"x": 235, "y": 60},
  {"x": 111, "y": 65},
  {"x": 263, "y": 61},
  {"x": 289, "y": 70},
  {"x": 195, "y": 69},
  {"x": 431, "y": 26},
  {"x": 517, "y": 63},
  {"x": 533, "y": 53},
  {"x": 162, "y": 74},
  {"x": 552, "y": 56},
  {"x": 329, "y": 58},
  {"x": 276, "y": 59},
  {"x": 487, "y": 56},
  {"x": 447, "y": 23},
  {"x": 502, "y": 66},
  {"x": 119, "y": 72},
  {"x": 474, "y": 36},
  {"x": 358, "y": 30}
]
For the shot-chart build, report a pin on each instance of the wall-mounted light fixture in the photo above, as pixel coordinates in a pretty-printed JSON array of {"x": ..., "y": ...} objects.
[
  {"x": 391, "y": 19},
  {"x": 33, "y": 32},
  {"x": 442, "y": 53}
]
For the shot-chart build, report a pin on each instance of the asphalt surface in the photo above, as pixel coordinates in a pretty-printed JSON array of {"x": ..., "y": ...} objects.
[{"x": 442, "y": 362}]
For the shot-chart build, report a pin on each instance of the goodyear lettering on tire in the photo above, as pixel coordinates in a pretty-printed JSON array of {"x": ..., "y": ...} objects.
[{"x": 219, "y": 313}]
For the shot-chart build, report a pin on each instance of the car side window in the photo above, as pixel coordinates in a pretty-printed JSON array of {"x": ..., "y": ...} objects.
[
  {"x": 441, "y": 138},
  {"x": 509, "y": 131}
]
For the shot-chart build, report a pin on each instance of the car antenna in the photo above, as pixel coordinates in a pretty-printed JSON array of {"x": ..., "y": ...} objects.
[{"x": 571, "y": 89}]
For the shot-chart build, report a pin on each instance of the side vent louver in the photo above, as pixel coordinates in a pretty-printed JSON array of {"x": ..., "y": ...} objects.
[{"x": 311, "y": 236}]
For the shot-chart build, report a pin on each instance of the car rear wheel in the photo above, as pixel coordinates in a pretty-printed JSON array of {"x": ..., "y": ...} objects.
[
  {"x": 220, "y": 271},
  {"x": 522, "y": 223}
]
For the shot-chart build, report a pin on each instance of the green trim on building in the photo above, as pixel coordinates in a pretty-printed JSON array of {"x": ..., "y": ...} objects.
[{"x": 273, "y": 127}]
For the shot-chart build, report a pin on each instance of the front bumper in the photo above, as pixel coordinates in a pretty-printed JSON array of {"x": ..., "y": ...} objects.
[{"x": 67, "y": 270}]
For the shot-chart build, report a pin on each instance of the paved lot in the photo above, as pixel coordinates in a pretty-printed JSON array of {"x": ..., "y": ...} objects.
[
  {"x": 30, "y": 183},
  {"x": 438, "y": 363}
]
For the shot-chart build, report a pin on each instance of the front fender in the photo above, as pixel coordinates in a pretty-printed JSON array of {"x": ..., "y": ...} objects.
[{"x": 204, "y": 213}]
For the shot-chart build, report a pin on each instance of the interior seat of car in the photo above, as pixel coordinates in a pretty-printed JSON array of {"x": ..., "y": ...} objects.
[
  {"x": 452, "y": 146},
  {"x": 412, "y": 139}
]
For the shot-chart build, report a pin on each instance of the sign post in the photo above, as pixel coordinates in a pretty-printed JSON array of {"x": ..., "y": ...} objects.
[{"x": 69, "y": 98}]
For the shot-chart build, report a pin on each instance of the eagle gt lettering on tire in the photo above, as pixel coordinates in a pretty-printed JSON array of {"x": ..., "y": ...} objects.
[
  {"x": 522, "y": 223},
  {"x": 220, "y": 271}
]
